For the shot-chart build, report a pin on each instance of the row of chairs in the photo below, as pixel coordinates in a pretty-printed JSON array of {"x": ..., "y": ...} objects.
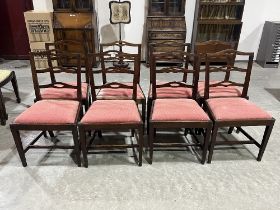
[{"x": 198, "y": 107}]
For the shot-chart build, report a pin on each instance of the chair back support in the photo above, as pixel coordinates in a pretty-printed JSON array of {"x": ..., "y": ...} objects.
[
  {"x": 106, "y": 59},
  {"x": 70, "y": 46},
  {"x": 169, "y": 47},
  {"x": 229, "y": 57},
  {"x": 120, "y": 46},
  {"x": 53, "y": 70},
  {"x": 186, "y": 69}
]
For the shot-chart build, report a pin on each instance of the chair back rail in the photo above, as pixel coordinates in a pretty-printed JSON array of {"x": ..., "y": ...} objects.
[
  {"x": 53, "y": 70},
  {"x": 134, "y": 71},
  {"x": 118, "y": 47},
  {"x": 170, "y": 46},
  {"x": 228, "y": 56},
  {"x": 185, "y": 70}
]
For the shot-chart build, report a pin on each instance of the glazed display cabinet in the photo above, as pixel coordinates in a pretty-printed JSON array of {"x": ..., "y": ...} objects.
[
  {"x": 218, "y": 20},
  {"x": 165, "y": 22}
]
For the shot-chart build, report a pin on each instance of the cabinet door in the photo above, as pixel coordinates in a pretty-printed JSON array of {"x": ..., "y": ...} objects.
[
  {"x": 62, "y": 5},
  {"x": 175, "y": 7},
  {"x": 83, "y": 5},
  {"x": 157, "y": 7}
]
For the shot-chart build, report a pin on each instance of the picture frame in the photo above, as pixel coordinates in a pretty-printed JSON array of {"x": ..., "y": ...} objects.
[{"x": 120, "y": 12}]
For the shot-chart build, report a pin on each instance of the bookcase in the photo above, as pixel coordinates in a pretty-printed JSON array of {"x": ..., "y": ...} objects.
[
  {"x": 218, "y": 20},
  {"x": 76, "y": 20},
  {"x": 165, "y": 22}
]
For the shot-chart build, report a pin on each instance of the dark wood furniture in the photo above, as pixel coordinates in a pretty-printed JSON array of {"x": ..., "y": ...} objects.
[
  {"x": 76, "y": 20},
  {"x": 234, "y": 111},
  {"x": 121, "y": 93},
  {"x": 173, "y": 91},
  {"x": 218, "y": 20},
  {"x": 112, "y": 115},
  {"x": 172, "y": 113},
  {"x": 5, "y": 77},
  {"x": 54, "y": 90},
  {"x": 224, "y": 88},
  {"x": 165, "y": 22},
  {"x": 14, "y": 40},
  {"x": 50, "y": 115}
]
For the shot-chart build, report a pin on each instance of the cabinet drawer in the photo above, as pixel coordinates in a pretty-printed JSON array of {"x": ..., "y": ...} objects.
[
  {"x": 158, "y": 48},
  {"x": 168, "y": 23},
  {"x": 74, "y": 20},
  {"x": 166, "y": 35}
]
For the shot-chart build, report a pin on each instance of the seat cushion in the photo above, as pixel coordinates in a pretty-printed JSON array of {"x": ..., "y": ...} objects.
[
  {"x": 4, "y": 74},
  {"x": 231, "y": 109},
  {"x": 64, "y": 93},
  {"x": 172, "y": 92},
  {"x": 49, "y": 112},
  {"x": 219, "y": 91},
  {"x": 119, "y": 93},
  {"x": 178, "y": 110},
  {"x": 112, "y": 112}
]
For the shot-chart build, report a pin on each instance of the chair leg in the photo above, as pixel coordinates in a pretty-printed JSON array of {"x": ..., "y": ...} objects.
[
  {"x": 205, "y": 146},
  {"x": 140, "y": 133},
  {"x": 151, "y": 143},
  {"x": 143, "y": 104},
  {"x": 230, "y": 130},
  {"x": 213, "y": 141},
  {"x": 51, "y": 133},
  {"x": 77, "y": 146},
  {"x": 99, "y": 133},
  {"x": 83, "y": 146},
  {"x": 15, "y": 86},
  {"x": 16, "y": 136},
  {"x": 266, "y": 136},
  {"x": 3, "y": 113},
  {"x": 149, "y": 107}
]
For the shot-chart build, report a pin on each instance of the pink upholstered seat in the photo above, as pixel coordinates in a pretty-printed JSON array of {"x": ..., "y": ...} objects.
[
  {"x": 172, "y": 92},
  {"x": 119, "y": 93},
  {"x": 231, "y": 109},
  {"x": 112, "y": 112},
  {"x": 64, "y": 93},
  {"x": 178, "y": 110},
  {"x": 219, "y": 91},
  {"x": 49, "y": 112}
]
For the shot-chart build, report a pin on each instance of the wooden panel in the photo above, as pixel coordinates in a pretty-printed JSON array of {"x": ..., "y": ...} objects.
[
  {"x": 166, "y": 35},
  {"x": 166, "y": 23},
  {"x": 74, "y": 20}
]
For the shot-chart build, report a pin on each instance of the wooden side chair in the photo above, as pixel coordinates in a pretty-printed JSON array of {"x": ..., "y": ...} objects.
[
  {"x": 219, "y": 88},
  {"x": 49, "y": 114},
  {"x": 170, "y": 113},
  {"x": 234, "y": 111},
  {"x": 168, "y": 91},
  {"x": 213, "y": 46},
  {"x": 113, "y": 63},
  {"x": 68, "y": 46},
  {"x": 115, "y": 114},
  {"x": 5, "y": 77}
]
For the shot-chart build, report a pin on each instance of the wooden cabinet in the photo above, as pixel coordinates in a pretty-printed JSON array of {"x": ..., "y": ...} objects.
[
  {"x": 76, "y": 20},
  {"x": 165, "y": 22},
  {"x": 218, "y": 20}
]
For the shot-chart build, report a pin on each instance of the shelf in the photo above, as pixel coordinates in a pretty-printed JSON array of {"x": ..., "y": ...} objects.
[
  {"x": 220, "y": 21},
  {"x": 223, "y": 3}
]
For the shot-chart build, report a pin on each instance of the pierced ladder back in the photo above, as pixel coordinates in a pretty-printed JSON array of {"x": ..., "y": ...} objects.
[
  {"x": 106, "y": 58},
  {"x": 53, "y": 58},
  {"x": 120, "y": 47},
  {"x": 229, "y": 57},
  {"x": 186, "y": 69},
  {"x": 70, "y": 46}
]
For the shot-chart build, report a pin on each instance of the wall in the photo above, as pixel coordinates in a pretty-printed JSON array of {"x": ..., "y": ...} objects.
[{"x": 256, "y": 12}]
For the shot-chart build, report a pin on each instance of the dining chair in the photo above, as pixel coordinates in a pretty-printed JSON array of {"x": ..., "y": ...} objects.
[
  {"x": 184, "y": 112},
  {"x": 5, "y": 77},
  {"x": 69, "y": 46},
  {"x": 49, "y": 114},
  {"x": 234, "y": 111},
  {"x": 119, "y": 63},
  {"x": 115, "y": 114},
  {"x": 172, "y": 91}
]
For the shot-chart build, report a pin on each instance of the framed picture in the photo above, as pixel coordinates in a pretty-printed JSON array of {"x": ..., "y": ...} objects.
[{"x": 120, "y": 12}]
